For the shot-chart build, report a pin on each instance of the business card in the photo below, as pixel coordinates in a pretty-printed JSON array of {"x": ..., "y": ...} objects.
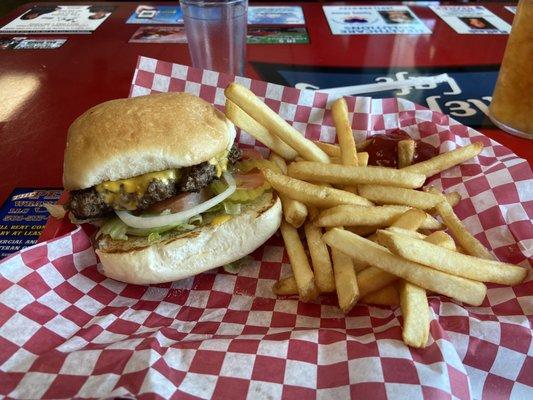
[
  {"x": 373, "y": 20},
  {"x": 275, "y": 15},
  {"x": 153, "y": 15},
  {"x": 59, "y": 19},
  {"x": 277, "y": 35},
  {"x": 159, "y": 34},
  {"x": 474, "y": 20},
  {"x": 34, "y": 43}
]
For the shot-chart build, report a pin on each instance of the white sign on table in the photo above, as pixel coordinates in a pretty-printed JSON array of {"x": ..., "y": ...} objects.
[
  {"x": 59, "y": 19},
  {"x": 373, "y": 20},
  {"x": 275, "y": 15},
  {"x": 472, "y": 20}
]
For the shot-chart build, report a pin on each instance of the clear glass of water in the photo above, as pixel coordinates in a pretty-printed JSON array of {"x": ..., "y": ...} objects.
[{"x": 216, "y": 32}]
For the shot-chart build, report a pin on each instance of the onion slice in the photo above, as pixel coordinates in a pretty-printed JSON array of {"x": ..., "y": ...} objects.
[{"x": 179, "y": 217}]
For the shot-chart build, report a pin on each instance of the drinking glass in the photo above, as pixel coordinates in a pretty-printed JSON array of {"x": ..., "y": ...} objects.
[
  {"x": 216, "y": 32},
  {"x": 511, "y": 108}
]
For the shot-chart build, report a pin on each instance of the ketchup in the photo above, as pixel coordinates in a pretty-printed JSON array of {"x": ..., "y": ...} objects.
[{"x": 383, "y": 149}]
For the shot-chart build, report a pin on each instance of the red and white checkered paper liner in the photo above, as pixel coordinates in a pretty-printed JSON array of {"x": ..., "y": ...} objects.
[{"x": 67, "y": 331}]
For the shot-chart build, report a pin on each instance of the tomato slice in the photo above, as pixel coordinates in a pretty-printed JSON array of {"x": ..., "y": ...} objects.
[
  {"x": 182, "y": 201},
  {"x": 251, "y": 154},
  {"x": 250, "y": 180}
]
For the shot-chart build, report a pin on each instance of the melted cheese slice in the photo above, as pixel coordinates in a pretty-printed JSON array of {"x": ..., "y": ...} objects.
[
  {"x": 110, "y": 191},
  {"x": 220, "y": 162}
]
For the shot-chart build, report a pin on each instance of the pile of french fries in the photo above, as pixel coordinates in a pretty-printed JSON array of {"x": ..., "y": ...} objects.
[{"x": 371, "y": 236}]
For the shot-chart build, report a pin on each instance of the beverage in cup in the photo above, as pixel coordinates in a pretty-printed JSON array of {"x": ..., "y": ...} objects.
[
  {"x": 511, "y": 108},
  {"x": 216, "y": 32}
]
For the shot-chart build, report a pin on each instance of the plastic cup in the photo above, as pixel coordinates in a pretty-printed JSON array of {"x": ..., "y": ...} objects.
[
  {"x": 216, "y": 32},
  {"x": 511, "y": 108}
]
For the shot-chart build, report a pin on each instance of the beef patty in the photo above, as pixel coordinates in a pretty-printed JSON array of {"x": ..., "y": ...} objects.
[{"x": 87, "y": 203}]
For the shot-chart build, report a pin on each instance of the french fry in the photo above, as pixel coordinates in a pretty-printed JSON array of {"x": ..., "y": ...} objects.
[
  {"x": 348, "y": 175},
  {"x": 362, "y": 158},
  {"x": 320, "y": 259},
  {"x": 414, "y": 302},
  {"x": 308, "y": 193},
  {"x": 388, "y": 296},
  {"x": 295, "y": 212},
  {"x": 266, "y": 117},
  {"x": 358, "y": 266},
  {"x": 279, "y": 161},
  {"x": 258, "y": 131},
  {"x": 343, "y": 128},
  {"x": 451, "y": 262},
  {"x": 415, "y": 310},
  {"x": 401, "y": 231},
  {"x": 406, "y": 152},
  {"x": 285, "y": 287},
  {"x": 439, "y": 238},
  {"x": 461, "y": 289},
  {"x": 333, "y": 150},
  {"x": 362, "y": 230},
  {"x": 413, "y": 299},
  {"x": 453, "y": 197},
  {"x": 356, "y": 215},
  {"x": 305, "y": 280},
  {"x": 394, "y": 195},
  {"x": 345, "y": 137},
  {"x": 407, "y": 224},
  {"x": 442, "y": 239},
  {"x": 411, "y": 219},
  {"x": 313, "y": 212},
  {"x": 345, "y": 280},
  {"x": 469, "y": 243},
  {"x": 372, "y": 279},
  {"x": 445, "y": 160}
]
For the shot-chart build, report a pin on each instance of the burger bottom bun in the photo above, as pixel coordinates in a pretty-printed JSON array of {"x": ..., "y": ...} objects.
[{"x": 197, "y": 251}]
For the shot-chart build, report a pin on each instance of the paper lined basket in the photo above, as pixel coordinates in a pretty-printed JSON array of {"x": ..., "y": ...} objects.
[{"x": 67, "y": 331}]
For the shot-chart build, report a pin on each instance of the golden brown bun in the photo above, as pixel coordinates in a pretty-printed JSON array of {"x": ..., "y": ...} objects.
[
  {"x": 205, "y": 248},
  {"x": 123, "y": 138}
]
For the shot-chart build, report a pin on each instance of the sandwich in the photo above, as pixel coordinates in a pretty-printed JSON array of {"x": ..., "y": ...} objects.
[{"x": 167, "y": 186}]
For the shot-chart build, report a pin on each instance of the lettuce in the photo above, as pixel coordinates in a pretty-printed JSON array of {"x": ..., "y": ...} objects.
[
  {"x": 235, "y": 266},
  {"x": 118, "y": 230}
]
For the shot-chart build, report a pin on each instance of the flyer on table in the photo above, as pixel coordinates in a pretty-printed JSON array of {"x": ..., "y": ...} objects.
[
  {"x": 146, "y": 14},
  {"x": 23, "y": 217},
  {"x": 472, "y": 20},
  {"x": 59, "y": 19},
  {"x": 277, "y": 35},
  {"x": 274, "y": 15},
  {"x": 159, "y": 34},
  {"x": 25, "y": 43},
  {"x": 373, "y": 20}
]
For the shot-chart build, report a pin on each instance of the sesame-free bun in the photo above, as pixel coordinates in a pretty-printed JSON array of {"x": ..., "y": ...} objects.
[
  {"x": 124, "y": 138},
  {"x": 141, "y": 262}
]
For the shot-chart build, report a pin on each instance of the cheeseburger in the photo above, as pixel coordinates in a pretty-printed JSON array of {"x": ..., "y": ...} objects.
[{"x": 163, "y": 179}]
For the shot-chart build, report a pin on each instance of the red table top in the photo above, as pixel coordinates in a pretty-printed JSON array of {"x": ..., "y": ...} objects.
[{"x": 43, "y": 91}]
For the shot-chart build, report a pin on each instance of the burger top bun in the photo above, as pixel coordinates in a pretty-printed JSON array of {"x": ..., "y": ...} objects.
[
  {"x": 123, "y": 138},
  {"x": 192, "y": 253}
]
